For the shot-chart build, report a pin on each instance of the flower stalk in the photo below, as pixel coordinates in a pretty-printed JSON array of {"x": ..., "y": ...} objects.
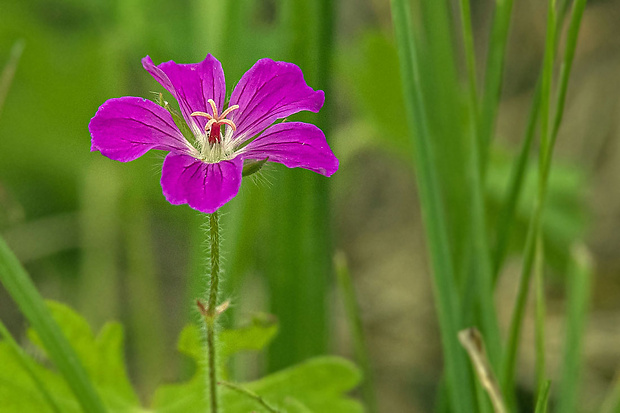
[{"x": 211, "y": 311}]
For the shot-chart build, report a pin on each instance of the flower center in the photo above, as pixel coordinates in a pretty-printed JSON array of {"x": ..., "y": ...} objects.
[{"x": 213, "y": 126}]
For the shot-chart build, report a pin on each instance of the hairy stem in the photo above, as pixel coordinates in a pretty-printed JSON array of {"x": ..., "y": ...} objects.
[{"x": 210, "y": 313}]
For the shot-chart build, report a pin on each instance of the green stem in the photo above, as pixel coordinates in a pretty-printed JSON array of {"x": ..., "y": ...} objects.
[
  {"x": 540, "y": 311},
  {"x": 211, "y": 311},
  {"x": 250, "y": 394}
]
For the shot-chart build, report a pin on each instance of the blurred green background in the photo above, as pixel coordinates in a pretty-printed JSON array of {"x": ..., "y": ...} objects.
[{"x": 99, "y": 235}]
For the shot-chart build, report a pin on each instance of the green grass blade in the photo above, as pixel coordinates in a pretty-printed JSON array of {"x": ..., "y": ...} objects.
[
  {"x": 458, "y": 180},
  {"x": 447, "y": 124},
  {"x": 470, "y": 55},
  {"x": 480, "y": 275},
  {"x": 494, "y": 75},
  {"x": 539, "y": 288},
  {"x": 458, "y": 380},
  {"x": 510, "y": 355},
  {"x": 480, "y": 272},
  {"x": 578, "y": 296},
  {"x": 30, "y": 302},
  {"x": 543, "y": 398},
  {"x": 545, "y": 100},
  {"x": 567, "y": 63},
  {"x": 25, "y": 362},
  {"x": 357, "y": 331}
]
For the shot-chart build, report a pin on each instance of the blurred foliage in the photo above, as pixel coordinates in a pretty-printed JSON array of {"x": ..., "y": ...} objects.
[
  {"x": 383, "y": 113},
  {"x": 565, "y": 217},
  {"x": 317, "y": 385}
]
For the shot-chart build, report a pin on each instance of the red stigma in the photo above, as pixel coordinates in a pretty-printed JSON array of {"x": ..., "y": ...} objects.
[{"x": 214, "y": 134}]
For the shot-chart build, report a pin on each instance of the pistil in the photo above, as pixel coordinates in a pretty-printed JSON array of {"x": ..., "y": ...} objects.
[{"x": 213, "y": 126}]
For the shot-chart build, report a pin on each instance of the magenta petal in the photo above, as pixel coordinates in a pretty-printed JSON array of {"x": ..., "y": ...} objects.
[
  {"x": 270, "y": 91},
  {"x": 296, "y": 145},
  {"x": 192, "y": 85},
  {"x": 204, "y": 186},
  {"x": 125, "y": 128}
]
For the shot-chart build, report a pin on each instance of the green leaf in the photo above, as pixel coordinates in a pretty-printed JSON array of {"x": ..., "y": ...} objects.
[
  {"x": 254, "y": 337},
  {"x": 28, "y": 367},
  {"x": 317, "y": 385},
  {"x": 191, "y": 395},
  {"x": 102, "y": 355},
  {"x": 18, "y": 392},
  {"x": 320, "y": 384}
]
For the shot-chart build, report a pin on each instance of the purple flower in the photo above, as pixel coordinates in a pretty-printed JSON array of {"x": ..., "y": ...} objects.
[{"x": 206, "y": 172}]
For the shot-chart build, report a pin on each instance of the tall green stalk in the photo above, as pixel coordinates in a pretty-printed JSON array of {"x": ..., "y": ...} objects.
[
  {"x": 448, "y": 303},
  {"x": 210, "y": 313},
  {"x": 480, "y": 276}
]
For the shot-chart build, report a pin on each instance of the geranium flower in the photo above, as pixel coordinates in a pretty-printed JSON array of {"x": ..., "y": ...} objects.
[{"x": 206, "y": 172}]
